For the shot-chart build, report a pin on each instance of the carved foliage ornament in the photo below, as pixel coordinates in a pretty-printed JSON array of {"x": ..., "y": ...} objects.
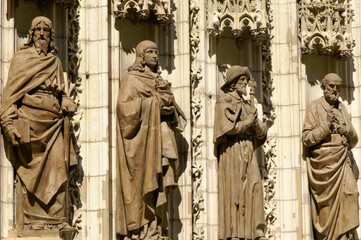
[
  {"x": 238, "y": 16},
  {"x": 325, "y": 26},
  {"x": 143, "y": 8},
  {"x": 197, "y": 133},
  {"x": 75, "y": 90}
]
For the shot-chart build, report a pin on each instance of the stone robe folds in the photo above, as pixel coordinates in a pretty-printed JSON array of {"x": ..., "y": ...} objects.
[
  {"x": 146, "y": 154},
  {"x": 33, "y": 93},
  {"x": 240, "y": 197},
  {"x": 332, "y": 183}
]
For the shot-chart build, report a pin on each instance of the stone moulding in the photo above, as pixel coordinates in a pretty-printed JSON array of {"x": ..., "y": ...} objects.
[
  {"x": 239, "y": 16},
  {"x": 325, "y": 27},
  {"x": 143, "y": 8}
]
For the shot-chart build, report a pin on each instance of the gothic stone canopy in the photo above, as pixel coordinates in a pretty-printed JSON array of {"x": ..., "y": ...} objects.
[
  {"x": 325, "y": 27},
  {"x": 238, "y": 16},
  {"x": 143, "y": 8}
]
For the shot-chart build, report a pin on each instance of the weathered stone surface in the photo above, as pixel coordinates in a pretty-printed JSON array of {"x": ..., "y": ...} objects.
[
  {"x": 147, "y": 155},
  {"x": 328, "y": 135},
  {"x": 34, "y": 109},
  {"x": 237, "y": 133}
]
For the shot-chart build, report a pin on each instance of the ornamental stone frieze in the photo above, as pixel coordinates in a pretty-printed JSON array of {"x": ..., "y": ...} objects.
[
  {"x": 239, "y": 16},
  {"x": 142, "y": 9},
  {"x": 325, "y": 27}
]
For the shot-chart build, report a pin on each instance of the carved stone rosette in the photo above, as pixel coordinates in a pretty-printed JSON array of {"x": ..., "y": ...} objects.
[
  {"x": 74, "y": 85},
  {"x": 239, "y": 16},
  {"x": 197, "y": 140},
  {"x": 325, "y": 26},
  {"x": 143, "y": 9}
]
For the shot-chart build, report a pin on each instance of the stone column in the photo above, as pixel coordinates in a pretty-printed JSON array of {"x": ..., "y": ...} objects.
[
  {"x": 181, "y": 207},
  {"x": 7, "y": 49},
  {"x": 286, "y": 129},
  {"x": 94, "y": 138}
]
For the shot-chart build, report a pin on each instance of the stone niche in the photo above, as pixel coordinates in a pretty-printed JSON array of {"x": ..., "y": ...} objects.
[
  {"x": 63, "y": 15},
  {"x": 246, "y": 52},
  {"x": 153, "y": 20},
  {"x": 243, "y": 28}
]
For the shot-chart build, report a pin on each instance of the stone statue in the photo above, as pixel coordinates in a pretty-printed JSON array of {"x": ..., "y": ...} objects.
[
  {"x": 147, "y": 119},
  {"x": 237, "y": 133},
  {"x": 328, "y": 136},
  {"x": 31, "y": 116}
]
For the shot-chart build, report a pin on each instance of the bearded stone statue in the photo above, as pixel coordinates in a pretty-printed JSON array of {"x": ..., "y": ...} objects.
[
  {"x": 32, "y": 116},
  {"x": 237, "y": 133},
  {"x": 328, "y": 135}
]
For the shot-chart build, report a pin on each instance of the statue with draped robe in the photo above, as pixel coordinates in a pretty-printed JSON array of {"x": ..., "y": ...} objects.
[
  {"x": 147, "y": 157},
  {"x": 237, "y": 133},
  {"x": 328, "y": 136},
  {"x": 32, "y": 114}
]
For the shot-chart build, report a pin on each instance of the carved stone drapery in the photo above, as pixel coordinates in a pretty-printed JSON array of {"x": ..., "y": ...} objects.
[
  {"x": 253, "y": 17},
  {"x": 238, "y": 16},
  {"x": 326, "y": 26},
  {"x": 143, "y": 8}
]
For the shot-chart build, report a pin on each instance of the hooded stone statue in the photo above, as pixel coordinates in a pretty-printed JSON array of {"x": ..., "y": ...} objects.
[
  {"x": 237, "y": 133},
  {"x": 31, "y": 115},
  {"x": 147, "y": 156}
]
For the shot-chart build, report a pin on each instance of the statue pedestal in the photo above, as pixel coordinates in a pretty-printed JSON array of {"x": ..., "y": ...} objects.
[
  {"x": 34, "y": 235},
  {"x": 63, "y": 234}
]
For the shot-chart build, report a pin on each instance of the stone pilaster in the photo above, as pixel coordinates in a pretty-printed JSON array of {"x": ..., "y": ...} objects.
[
  {"x": 7, "y": 49},
  {"x": 286, "y": 128},
  {"x": 94, "y": 137}
]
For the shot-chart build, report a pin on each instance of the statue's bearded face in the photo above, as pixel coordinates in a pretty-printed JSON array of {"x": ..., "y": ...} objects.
[
  {"x": 241, "y": 85},
  {"x": 332, "y": 90},
  {"x": 151, "y": 57},
  {"x": 41, "y": 37}
]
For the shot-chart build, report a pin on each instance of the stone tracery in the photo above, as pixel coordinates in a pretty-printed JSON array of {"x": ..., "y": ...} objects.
[
  {"x": 325, "y": 27},
  {"x": 143, "y": 9},
  {"x": 239, "y": 15}
]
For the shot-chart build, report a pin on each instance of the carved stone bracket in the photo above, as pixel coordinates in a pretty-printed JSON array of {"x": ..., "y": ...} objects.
[
  {"x": 239, "y": 16},
  {"x": 143, "y": 8},
  {"x": 325, "y": 27}
]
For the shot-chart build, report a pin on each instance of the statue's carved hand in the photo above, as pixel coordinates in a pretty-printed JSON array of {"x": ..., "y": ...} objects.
[
  {"x": 343, "y": 129},
  {"x": 165, "y": 99},
  {"x": 13, "y": 136},
  {"x": 68, "y": 105},
  {"x": 330, "y": 118},
  {"x": 167, "y": 110},
  {"x": 251, "y": 118}
]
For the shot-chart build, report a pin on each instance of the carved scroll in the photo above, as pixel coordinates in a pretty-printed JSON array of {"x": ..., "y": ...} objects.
[
  {"x": 325, "y": 27},
  {"x": 197, "y": 140},
  {"x": 142, "y": 9},
  {"x": 239, "y": 16}
]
